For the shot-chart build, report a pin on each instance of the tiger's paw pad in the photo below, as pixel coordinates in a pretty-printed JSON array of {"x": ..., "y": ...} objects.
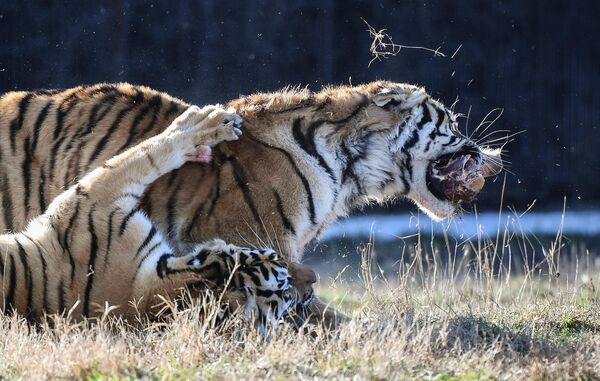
[{"x": 203, "y": 154}]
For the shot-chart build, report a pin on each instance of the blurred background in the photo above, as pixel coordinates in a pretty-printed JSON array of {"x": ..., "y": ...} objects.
[{"x": 536, "y": 60}]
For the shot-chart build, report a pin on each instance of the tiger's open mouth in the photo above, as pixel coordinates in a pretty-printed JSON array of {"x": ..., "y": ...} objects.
[{"x": 459, "y": 176}]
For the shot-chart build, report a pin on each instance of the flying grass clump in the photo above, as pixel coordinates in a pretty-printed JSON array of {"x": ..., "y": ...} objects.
[{"x": 383, "y": 46}]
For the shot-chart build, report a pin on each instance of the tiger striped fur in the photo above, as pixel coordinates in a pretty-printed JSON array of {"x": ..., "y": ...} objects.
[
  {"x": 93, "y": 248},
  {"x": 305, "y": 158}
]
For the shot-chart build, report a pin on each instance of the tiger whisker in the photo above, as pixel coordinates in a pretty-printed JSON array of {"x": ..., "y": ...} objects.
[
  {"x": 468, "y": 117},
  {"x": 453, "y": 105},
  {"x": 499, "y": 139},
  {"x": 489, "y": 123},
  {"x": 492, "y": 133},
  {"x": 482, "y": 140}
]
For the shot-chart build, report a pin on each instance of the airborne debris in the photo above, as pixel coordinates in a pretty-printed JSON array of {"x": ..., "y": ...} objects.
[{"x": 384, "y": 47}]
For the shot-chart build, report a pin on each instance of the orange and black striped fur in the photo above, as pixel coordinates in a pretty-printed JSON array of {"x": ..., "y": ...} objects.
[
  {"x": 305, "y": 159},
  {"x": 93, "y": 248}
]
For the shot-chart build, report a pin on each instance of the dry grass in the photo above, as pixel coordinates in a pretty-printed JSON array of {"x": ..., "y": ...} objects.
[
  {"x": 383, "y": 46},
  {"x": 456, "y": 320}
]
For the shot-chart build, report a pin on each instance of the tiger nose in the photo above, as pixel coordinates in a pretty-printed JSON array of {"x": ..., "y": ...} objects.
[
  {"x": 492, "y": 162},
  {"x": 311, "y": 276},
  {"x": 303, "y": 272}
]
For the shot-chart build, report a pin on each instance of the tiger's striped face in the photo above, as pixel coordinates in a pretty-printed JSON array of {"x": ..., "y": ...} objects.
[
  {"x": 274, "y": 287},
  {"x": 434, "y": 165},
  {"x": 267, "y": 286}
]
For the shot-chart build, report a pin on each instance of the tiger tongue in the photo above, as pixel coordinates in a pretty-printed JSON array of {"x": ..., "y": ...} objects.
[
  {"x": 461, "y": 178},
  {"x": 463, "y": 189}
]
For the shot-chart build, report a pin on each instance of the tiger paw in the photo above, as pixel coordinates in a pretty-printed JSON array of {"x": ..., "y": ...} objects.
[
  {"x": 223, "y": 125},
  {"x": 169, "y": 264},
  {"x": 228, "y": 130},
  {"x": 208, "y": 126}
]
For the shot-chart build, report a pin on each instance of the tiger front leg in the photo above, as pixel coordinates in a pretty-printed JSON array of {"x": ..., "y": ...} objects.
[
  {"x": 207, "y": 265},
  {"x": 212, "y": 261},
  {"x": 189, "y": 137}
]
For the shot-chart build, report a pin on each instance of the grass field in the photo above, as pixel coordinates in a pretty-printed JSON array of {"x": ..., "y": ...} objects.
[{"x": 466, "y": 318}]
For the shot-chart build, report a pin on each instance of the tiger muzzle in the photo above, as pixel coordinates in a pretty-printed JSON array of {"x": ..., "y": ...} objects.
[
  {"x": 302, "y": 273},
  {"x": 460, "y": 176}
]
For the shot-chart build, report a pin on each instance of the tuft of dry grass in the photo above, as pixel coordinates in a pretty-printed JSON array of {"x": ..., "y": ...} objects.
[
  {"x": 383, "y": 45},
  {"x": 451, "y": 319}
]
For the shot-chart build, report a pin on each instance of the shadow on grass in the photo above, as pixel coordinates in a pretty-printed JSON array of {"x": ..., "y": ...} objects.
[
  {"x": 469, "y": 333},
  {"x": 462, "y": 334}
]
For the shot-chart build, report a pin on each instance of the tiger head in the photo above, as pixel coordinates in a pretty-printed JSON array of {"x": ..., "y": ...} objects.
[
  {"x": 414, "y": 148},
  {"x": 274, "y": 287},
  {"x": 259, "y": 282}
]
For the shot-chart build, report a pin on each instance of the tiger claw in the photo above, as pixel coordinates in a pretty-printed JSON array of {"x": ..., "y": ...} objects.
[
  {"x": 232, "y": 123},
  {"x": 236, "y": 132}
]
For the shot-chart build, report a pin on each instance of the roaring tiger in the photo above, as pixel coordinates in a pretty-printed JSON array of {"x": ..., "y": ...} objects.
[
  {"x": 305, "y": 159},
  {"x": 93, "y": 249}
]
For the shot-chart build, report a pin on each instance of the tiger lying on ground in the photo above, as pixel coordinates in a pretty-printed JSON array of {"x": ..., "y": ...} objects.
[
  {"x": 93, "y": 248},
  {"x": 305, "y": 159}
]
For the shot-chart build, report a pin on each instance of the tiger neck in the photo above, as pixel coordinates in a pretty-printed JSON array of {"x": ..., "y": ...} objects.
[{"x": 346, "y": 176}]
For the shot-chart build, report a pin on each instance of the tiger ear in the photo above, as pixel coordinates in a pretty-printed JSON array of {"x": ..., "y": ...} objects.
[{"x": 405, "y": 98}]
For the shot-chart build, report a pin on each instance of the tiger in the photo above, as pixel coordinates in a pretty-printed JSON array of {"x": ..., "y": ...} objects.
[
  {"x": 92, "y": 250},
  {"x": 305, "y": 159}
]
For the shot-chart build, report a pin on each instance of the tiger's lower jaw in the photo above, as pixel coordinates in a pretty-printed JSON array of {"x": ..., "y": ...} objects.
[{"x": 436, "y": 209}]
